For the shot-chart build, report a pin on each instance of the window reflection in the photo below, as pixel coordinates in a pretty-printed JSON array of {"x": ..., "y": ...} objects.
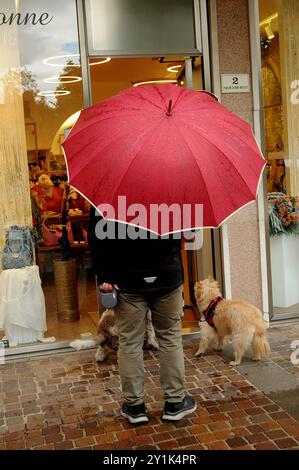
[
  {"x": 45, "y": 78},
  {"x": 52, "y": 91},
  {"x": 279, "y": 34}
]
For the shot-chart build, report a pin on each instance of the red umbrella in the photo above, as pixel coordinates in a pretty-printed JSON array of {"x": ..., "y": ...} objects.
[{"x": 153, "y": 145}]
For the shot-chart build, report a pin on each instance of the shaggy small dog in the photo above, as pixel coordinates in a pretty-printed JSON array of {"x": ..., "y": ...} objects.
[
  {"x": 236, "y": 318},
  {"x": 107, "y": 339}
]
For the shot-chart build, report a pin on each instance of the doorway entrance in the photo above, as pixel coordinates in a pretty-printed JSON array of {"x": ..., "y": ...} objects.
[
  {"x": 150, "y": 41},
  {"x": 118, "y": 74}
]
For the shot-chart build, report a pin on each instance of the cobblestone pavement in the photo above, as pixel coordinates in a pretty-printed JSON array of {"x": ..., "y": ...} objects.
[{"x": 69, "y": 401}]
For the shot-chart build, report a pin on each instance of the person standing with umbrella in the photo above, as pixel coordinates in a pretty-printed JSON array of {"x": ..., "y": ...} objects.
[
  {"x": 159, "y": 145},
  {"x": 148, "y": 274}
]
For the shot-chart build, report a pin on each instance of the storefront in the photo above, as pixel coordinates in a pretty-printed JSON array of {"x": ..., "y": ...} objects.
[
  {"x": 280, "y": 72},
  {"x": 61, "y": 57}
]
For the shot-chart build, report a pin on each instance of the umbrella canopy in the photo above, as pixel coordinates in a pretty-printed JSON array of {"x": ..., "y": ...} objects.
[{"x": 166, "y": 145}]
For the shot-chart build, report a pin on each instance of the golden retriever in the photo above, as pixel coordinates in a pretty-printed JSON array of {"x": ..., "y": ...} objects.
[{"x": 236, "y": 318}]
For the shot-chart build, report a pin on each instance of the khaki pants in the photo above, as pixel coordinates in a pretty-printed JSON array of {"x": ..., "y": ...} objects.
[{"x": 130, "y": 315}]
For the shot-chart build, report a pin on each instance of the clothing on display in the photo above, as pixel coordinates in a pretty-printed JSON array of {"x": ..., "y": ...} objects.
[
  {"x": 49, "y": 197},
  {"x": 52, "y": 200},
  {"x": 76, "y": 201},
  {"x": 22, "y": 305}
]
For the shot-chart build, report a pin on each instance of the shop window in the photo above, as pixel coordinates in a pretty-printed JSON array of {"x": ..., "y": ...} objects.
[
  {"x": 47, "y": 78},
  {"x": 279, "y": 36}
]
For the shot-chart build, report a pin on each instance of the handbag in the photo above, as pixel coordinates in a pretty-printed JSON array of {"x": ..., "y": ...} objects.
[
  {"x": 50, "y": 238},
  {"x": 18, "y": 251}
]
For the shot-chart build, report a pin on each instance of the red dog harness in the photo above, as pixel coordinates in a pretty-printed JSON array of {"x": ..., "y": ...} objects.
[{"x": 209, "y": 312}]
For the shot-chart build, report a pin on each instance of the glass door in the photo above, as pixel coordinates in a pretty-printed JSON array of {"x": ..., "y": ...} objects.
[{"x": 109, "y": 77}]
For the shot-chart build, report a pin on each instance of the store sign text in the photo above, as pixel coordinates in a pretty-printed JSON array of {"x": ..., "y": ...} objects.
[{"x": 27, "y": 18}]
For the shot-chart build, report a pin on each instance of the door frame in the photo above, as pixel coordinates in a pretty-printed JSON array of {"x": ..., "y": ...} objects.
[{"x": 201, "y": 41}]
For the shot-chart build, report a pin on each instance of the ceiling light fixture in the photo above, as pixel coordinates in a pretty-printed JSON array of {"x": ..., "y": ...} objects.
[
  {"x": 49, "y": 60},
  {"x": 63, "y": 79},
  {"x": 53, "y": 93},
  {"x": 266, "y": 23},
  {"x": 269, "y": 32},
  {"x": 99, "y": 62},
  {"x": 174, "y": 68},
  {"x": 152, "y": 82},
  {"x": 269, "y": 19}
]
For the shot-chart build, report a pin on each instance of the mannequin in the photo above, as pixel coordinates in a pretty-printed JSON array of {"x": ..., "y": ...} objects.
[
  {"x": 51, "y": 198},
  {"x": 76, "y": 204}
]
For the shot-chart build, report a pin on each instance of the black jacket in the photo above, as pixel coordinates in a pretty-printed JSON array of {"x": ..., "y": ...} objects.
[{"x": 141, "y": 265}]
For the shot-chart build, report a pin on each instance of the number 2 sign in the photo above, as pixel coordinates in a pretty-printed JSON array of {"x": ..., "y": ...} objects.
[{"x": 235, "y": 83}]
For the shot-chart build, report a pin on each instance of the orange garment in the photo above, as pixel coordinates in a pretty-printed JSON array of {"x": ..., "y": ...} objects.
[{"x": 50, "y": 203}]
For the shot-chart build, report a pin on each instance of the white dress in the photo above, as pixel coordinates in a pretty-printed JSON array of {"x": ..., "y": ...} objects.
[{"x": 22, "y": 305}]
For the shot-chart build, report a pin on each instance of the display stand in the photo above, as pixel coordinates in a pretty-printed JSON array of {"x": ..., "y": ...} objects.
[{"x": 66, "y": 290}]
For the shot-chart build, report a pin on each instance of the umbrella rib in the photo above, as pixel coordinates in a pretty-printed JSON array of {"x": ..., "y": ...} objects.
[
  {"x": 197, "y": 166},
  {"x": 225, "y": 156},
  {"x": 117, "y": 138},
  {"x": 139, "y": 96},
  {"x": 133, "y": 159},
  {"x": 104, "y": 118},
  {"x": 144, "y": 99},
  {"x": 228, "y": 122},
  {"x": 229, "y": 195},
  {"x": 157, "y": 90}
]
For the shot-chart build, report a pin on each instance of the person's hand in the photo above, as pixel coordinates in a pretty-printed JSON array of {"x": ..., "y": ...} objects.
[{"x": 105, "y": 287}]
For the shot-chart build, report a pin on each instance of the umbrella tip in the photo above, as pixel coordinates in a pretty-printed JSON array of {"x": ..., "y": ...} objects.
[{"x": 169, "y": 110}]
